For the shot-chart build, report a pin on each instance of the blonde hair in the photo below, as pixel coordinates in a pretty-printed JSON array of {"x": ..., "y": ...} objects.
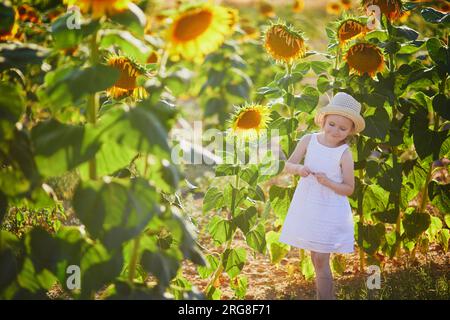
[{"x": 352, "y": 136}]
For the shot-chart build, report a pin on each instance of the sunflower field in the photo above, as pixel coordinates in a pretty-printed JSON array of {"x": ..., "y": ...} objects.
[{"x": 143, "y": 145}]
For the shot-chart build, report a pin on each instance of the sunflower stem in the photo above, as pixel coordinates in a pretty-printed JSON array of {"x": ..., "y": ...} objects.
[
  {"x": 220, "y": 267},
  {"x": 92, "y": 101},
  {"x": 134, "y": 259}
]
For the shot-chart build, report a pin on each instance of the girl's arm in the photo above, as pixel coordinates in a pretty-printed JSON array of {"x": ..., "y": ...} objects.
[
  {"x": 347, "y": 186},
  {"x": 292, "y": 164}
]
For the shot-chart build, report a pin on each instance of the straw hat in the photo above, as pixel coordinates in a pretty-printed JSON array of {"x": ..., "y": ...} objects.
[{"x": 345, "y": 105}]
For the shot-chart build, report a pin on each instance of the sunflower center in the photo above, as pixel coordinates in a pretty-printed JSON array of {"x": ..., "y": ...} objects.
[
  {"x": 365, "y": 59},
  {"x": 192, "y": 25},
  {"x": 249, "y": 120},
  {"x": 127, "y": 78},
  {"x": 282, "y": 43},
  {"x": 350, "y": 29}
]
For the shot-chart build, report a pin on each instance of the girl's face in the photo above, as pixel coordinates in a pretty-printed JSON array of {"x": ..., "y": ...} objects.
[{"x": 337, "y": 127}]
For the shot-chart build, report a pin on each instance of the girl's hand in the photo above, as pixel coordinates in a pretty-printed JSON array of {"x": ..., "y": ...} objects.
[
  {"x": 321, "y": 178},
  {"x": 303, "y": 171}
]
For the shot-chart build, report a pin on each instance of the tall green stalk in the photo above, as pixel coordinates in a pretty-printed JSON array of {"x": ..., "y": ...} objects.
[
  {"x": 220, "y": 267},
  {"x": 92, "y": 101}
]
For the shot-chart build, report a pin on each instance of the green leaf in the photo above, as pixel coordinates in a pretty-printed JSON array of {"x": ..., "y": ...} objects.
[
  {"x": 320, "y": 66},
  {"x": 437, "y": 51},
  {"x": 391, "y": 180},
  {"x": 60, "y": 147},
  {"x": 220, "y": 229},
  {"x": 111, "y": 158},
  {"x": 375, "y": 199},
  {"x": 444, "y": 237},
  {"x": 277, "y": 250},
  {"x": 43, "y": 249},
  {"x": 323, "y": 83},
  {"x": 447, "y": 220},
  {"x": 250, "y": 174},
  {"x": 67, "y": 86},
  {"x": 239, "y": 286},
  {"x": 232, "y": 197},
  {"x": 308, "y": 100},
  {"x": 405, "y": 32},
  {"x": 241, "y": 90},
  {"x": 370, "y": 237},
  {"x": 377, "y": 125},
  {"x": 226, "y": 170},
  {"x": 3, "y": 207},
  {"x": 133, "y": 19},
  {"x": 206, "y": 271},
  {"x": 163, "y": 265},
  {"x": 415, "y": 223},
  {"x": 246, "y": 219},
  {"x": 434, "y": 16},
  {"x": 307, "y": 268},
  {"x": 440, "y": 196},
  {"x": 21, "y": 55},
  {"x": 338, "y": 264},
  {"x": 213, "y": 199},
  {"x": 387, "y": 216},
  {"x": 136, "y": 128},
  {"x": 234, "y": 261},
  {"x": 10, "y": 267},
  {"x": 441, "y": 104},
  {"x": 426, "y": 141},
  {"x": 267, "y": 91},
  {"x": 434, "y": 228},
  {"x": 413, "y": 47},
  {"x": 256, "y": 238},
  {"x": 116, "y": 211},
  {"x": 12, "y": 105},
  {"x": 215, "y": 106},
  {"x": 290, "y": 79},
  {"x": 100, "y": 274},
  {"x": 280, "y": 199},
  {"x": 65, "y": 37},
  {"x": 127, "y": 43}
]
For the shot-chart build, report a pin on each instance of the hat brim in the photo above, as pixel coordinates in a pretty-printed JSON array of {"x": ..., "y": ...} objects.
[{"x": 357, "y": 119}]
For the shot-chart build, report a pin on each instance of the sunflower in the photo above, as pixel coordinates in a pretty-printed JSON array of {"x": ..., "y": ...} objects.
[
  {"x": 153, "y": 57},
  {"x": 298, "y": 6},
  {"x": 248, "y": 120},
  {"x": 444, "y": 6},
  {"x": 392, "y": 9},
  {"x": 126, "y": 84},
  {"x": 266, "y": 9},
  {"x": 250, "y": 32},
  {"x": 365, "y": 58},
  {"x": 99, "y": 8},
  {"x": 9, "y": 26},
  {"x": 198, "y": 30},
  {"x": 283, "y": 43},
  {"x": 346, "y": 4},
  {"x": 28, "y": 13},
  {"x": 233, "y": 15},
  {"x": 350, "y": 29},
  {"x": 334, "y": 8}
]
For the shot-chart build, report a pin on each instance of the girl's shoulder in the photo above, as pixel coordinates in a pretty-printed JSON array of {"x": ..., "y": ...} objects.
[{"x": 304, "y": 140}]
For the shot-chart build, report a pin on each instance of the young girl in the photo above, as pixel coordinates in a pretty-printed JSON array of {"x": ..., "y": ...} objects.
[{"x": 319, "y": 218}]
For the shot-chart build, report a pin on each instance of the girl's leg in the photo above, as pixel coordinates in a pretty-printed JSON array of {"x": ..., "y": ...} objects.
[{"x": 324, "y": 278}]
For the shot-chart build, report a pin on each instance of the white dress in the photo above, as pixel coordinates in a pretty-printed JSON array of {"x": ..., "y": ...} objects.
[{"x": 318, "y": 218}]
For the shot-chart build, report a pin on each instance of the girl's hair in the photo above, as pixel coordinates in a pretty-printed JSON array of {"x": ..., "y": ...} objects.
[{"x": 351, "y": 138}]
